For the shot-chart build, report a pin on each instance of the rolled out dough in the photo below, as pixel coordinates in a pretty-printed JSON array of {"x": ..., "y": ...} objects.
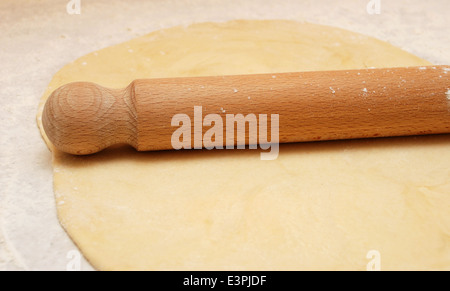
[{"x": 318, "y": 206}]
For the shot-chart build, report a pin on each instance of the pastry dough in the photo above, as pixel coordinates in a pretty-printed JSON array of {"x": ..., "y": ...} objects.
[{"x": 319, "y": 206}]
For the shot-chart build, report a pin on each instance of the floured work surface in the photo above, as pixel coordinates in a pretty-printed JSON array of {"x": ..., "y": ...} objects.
[{"x": 322, "y": 205}]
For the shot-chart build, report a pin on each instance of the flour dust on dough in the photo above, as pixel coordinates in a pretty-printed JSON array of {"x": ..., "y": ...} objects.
[{"x": 318, "y": 206}]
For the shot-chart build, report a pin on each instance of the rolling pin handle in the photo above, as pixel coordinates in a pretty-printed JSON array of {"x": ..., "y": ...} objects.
[{"x": 83, "y": 118}]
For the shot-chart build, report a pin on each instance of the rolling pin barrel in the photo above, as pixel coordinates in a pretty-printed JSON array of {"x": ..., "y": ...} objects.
[{"x": 84, "y": 118}]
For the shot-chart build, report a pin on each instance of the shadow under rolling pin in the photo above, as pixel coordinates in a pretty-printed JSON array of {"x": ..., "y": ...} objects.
[{"x": 84, "y": 118}]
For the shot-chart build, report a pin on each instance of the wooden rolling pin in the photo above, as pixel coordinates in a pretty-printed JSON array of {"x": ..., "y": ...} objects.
[{"x": 84, "y": 118}]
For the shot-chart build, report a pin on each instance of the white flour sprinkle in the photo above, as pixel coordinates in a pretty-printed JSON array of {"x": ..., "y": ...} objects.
[
  {"x": 332, "y": 91},
  {"x": 448, "y": 94},
  {"x": 235, "y": 90},
  {"x": 364, "y": 90}
]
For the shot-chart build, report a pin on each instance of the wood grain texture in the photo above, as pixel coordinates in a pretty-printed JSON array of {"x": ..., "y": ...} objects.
[{"x": 84, "y": 118}]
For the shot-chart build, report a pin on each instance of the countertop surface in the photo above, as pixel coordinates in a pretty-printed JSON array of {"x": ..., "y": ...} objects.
[{"x": 39, "y": 37}]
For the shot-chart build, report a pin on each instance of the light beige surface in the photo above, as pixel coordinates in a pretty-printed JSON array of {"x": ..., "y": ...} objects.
[{"x": 318, "y": 206}]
